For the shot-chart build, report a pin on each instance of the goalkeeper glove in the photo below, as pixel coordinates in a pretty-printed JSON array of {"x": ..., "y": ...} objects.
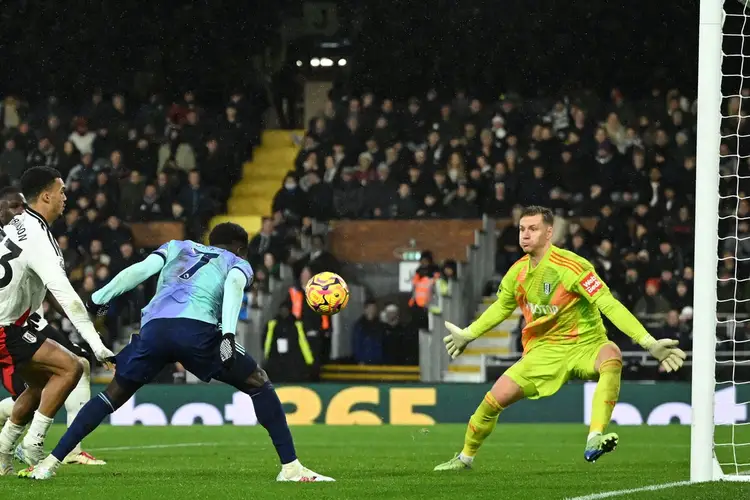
[
  {"x": 96, "y": 310},
  {"x": 227, "y": 349},
  {"x": 666, "y": 352},
  {"x": 456, "y": 342}
]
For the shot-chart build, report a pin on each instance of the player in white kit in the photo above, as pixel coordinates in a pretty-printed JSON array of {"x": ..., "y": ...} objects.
[
  {"x": 30, "y": 264},
  {"x": 12, "y": 204}
]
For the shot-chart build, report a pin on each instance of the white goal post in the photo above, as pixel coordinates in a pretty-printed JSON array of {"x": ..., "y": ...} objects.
[{"x": 707, "y": 443}]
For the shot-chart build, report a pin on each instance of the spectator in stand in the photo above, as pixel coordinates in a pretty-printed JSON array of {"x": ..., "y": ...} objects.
[
  {"x": 675, "y": 329},
  {"x": 12, "y": 162},
  {"x": 368, "y": 336},
  {"x": 198, "y": 204},
  {"x": 266, "y": 241},
  {"x": 290, "y": 200},
  {"x": 108, "y": 154},
  {"x": 319, "y": 259},
  {"x": 114, "y": 234},
  {"x": 653, "y": 302},
  {"x": 81, "y": 137}
]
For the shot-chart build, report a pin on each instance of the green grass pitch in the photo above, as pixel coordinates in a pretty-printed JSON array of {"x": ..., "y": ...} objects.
[{"x": 390, "y": 462}]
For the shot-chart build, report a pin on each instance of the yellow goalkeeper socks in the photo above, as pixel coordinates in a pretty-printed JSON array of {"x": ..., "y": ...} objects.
[
  {"x": 481, "y": 425},
  {"x": 605, "y": 396}
]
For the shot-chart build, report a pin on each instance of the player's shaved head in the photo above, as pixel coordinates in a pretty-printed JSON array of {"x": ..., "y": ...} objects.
[
  {"x": 11, "y": 204},
  {"x": 229, "y": 236}
]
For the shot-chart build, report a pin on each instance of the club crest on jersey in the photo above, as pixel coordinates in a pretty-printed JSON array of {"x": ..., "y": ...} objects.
[
  {"x": 547, "y": 288},
  {"x": 29, "y": 337}
]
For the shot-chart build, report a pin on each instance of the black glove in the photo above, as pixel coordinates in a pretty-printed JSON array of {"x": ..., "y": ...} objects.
[
  {"x": 227, "y": 349},
  {"x": 96, "y": 310}
]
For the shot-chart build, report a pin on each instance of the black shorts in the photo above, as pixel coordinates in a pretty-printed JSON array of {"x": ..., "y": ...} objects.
[
  {"x": 53, "y": 333},
  {"x": 17, "y": 384},
  {"x": 18, "y": 345}
]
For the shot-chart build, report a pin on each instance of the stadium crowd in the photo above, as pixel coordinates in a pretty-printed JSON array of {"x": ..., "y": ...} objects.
[
  {"x": 125, "y": 162},
  {"x": 629, "y": 163}
]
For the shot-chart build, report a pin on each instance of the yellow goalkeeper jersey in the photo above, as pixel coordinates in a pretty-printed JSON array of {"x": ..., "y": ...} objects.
[{"x": 556, "y": 297}]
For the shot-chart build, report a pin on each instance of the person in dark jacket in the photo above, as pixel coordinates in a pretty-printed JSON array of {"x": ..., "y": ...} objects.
[
  {"x": 287, "y": 352},
  {"x": 368, "y": 337}
]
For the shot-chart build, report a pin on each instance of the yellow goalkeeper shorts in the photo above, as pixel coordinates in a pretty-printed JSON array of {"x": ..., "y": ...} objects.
[{"x": 546, "y": 368}]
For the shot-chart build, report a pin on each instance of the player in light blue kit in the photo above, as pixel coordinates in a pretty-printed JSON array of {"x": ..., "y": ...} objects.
[{"x": 199, "y": 288}]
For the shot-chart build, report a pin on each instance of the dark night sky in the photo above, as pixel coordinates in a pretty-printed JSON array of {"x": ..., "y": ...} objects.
[{"x": 403, "y": 47}]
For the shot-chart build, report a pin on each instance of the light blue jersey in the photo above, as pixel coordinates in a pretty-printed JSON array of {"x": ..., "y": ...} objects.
[{"x": 191, "y": 283}]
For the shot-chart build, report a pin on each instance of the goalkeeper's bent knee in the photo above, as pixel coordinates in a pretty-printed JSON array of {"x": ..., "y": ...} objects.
[
  {"x": 481, "y": 424},
  {"x": 606, "y": 394}
]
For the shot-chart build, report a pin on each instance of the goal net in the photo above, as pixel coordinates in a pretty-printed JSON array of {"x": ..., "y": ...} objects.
[{"x": 720, "y": 444}]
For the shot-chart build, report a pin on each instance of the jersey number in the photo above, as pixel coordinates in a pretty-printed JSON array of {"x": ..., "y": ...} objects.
[
  {"x": 205, "y": 258},
  {"x": 14, "y": 251}
]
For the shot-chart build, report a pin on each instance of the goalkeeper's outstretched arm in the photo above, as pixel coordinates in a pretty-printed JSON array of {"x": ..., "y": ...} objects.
[
  {"x": 623, "y": 319},
  {"x": 664, "y": 350},
  {"x": 493, "y": 316},
  {"x": 458, "y": 338}
]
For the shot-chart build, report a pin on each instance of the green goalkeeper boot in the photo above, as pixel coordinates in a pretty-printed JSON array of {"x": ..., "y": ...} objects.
[
  {"x": 599, "y": 445},
  {"x": 454, "y": 463}
]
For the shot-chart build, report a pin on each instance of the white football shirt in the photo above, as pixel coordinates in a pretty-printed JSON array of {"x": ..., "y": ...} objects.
[{"x": 31, "y": 263}]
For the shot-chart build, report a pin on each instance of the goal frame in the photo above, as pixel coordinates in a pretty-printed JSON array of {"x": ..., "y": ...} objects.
[{"x": 703, "y": 464}]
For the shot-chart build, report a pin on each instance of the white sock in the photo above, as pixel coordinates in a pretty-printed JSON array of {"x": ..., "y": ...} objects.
[
  {"x": 50, "y": 462},
  {"x": 37, "y": 430},
  {"x": 6, "y": 407},
  {"x": 80, "y": 395},
  {"x": 465, "y": 459},
  {"x": 9, "y": 435},
  {"x": 593, "y": 434},
  {"x": 292, "y": 465}
]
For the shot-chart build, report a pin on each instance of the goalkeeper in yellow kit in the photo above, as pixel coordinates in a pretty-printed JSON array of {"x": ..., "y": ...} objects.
[{"x": 562, "y": 299}]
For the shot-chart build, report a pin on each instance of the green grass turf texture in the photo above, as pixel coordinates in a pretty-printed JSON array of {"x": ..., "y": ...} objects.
[{"x": 390, "y": 462}]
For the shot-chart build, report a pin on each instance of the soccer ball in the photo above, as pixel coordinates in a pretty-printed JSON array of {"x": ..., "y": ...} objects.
[{"x": 326, "y": 293}]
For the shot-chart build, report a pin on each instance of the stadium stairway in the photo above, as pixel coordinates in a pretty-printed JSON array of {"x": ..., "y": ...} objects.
[
  {"x": 251, "y": 198},
  {"x": 497, "y": 342}
]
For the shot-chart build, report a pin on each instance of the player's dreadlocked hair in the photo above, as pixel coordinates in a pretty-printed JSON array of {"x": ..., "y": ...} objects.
[
  {"x": 36, "y": 180},
  {"x": 547, "y": 216},
  {"x": 228, "y": 234}
]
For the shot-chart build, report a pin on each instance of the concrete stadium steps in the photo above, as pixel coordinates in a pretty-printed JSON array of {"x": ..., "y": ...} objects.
[
  {"x": 496, "y": 342},
  {"x": 251, "y": 223},
  {"x": 280, "y": 138},
  {"x": 371, "y": 373},
  {"x": 249, "y": 205},
  {"x": 251, "y": 198},
  {"x": 263, "y": 156},
  {"x": 258, "y": 187}
]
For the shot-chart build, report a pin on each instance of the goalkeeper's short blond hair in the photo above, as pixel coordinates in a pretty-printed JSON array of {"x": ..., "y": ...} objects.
[{"x": 547, "y": 216}]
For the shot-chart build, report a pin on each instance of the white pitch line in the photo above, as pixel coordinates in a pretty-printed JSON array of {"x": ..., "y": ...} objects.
[
  {"x": 154, "y": 446},
  {"x": 617, "y": 493}
]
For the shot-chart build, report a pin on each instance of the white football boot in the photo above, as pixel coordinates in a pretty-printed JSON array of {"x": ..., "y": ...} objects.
[
  {"x": 298, "y": 473},
  {"x": 6, "y": 464},
  {"x": 82, "y": 458},
  {"x": 31, "y": 454}
]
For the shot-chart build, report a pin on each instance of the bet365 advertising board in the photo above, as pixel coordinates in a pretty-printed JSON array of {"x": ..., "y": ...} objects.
[{"x": 417, "y": 404}]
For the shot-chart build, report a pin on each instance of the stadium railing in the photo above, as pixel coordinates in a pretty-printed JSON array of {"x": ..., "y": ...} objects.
[{"x": 459, "y": 306}]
